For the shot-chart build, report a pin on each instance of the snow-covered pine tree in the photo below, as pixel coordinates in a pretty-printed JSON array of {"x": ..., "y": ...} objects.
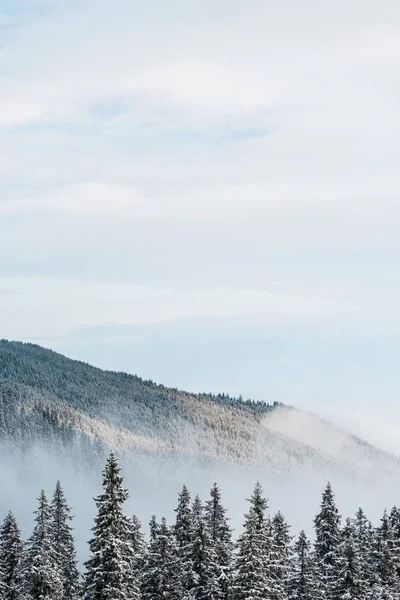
[
  {"x": 221, "y": 538},
  {"x": 138, "y": 545},
  {"x": 394, "y": 520},
  {"x": 183, "y": 536},
  {"x": 150, "y": 583},
  {"x": 251, "y": 578},
  {"x": 183, "y": 521},
  {"x": 280, "y": 557},
  {"x": 327, "y": 543},
  {"x": 302, "y": 583},
  {"x": 109, "y": 570},
  {"x": 197, "y": 510},
  {"x": 204, "y": 565},
  {"x": 162, "y": 572},
  {"x": 10, "y": 556},
  {"x": 363, "y": 535},
  {"x": 384, "y": 559},
  {"x": 64, "y": 544},
  {"x": 351, "y": 584},
  {"x": 41, "y": 575}
]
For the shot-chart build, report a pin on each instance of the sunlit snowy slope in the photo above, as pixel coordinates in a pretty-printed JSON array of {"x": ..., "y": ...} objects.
[{"x": 81, "y": 412}]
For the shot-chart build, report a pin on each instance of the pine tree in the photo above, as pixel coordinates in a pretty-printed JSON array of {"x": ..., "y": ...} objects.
[
  {"x": 138, "y": 545},
  {"x": 137, "y": 536},
  {"x": 64, "y": 544},
  {"x": 363, "y": 536},
  {"x": 350, "y": 585},
  {"x": 280, "y": 556},
  {"x": 10, "y": 556},
  {"x": 394, "y": 520},
  {"x": 221, "y": 537},
  {"x": 183, "y": 537},
  {"x": 384, "y": 560},
  {"x": 203, "y": 559},
  {"x": 302, "y": 583},
  {"x": 327, "y": 543},
  {"x": 251, "y": 580},
  {"x": 109, "y": 570},
  {"x": 41, "y": 574},
  {"x": 183, "y": 518},
  {"x": 150, "y": 584},
  {"x": 162, "y": 571}
]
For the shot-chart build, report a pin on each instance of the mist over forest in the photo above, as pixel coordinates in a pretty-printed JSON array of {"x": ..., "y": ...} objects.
[{"x": 60, "y": 418}]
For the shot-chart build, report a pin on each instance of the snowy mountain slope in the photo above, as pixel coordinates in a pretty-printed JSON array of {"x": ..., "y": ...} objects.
[{"x": 84, "y": 412}]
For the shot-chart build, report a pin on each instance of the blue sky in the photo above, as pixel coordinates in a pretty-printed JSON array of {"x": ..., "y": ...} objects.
[{"x": 208, "y": 195}]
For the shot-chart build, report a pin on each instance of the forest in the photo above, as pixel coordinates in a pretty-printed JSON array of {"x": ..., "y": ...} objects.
[{"x": 198, "y": 557}]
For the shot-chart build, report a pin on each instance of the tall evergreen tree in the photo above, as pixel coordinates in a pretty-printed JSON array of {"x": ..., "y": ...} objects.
[
  {"x": 384, "y": 559},
  {"x": 203, "y": 560},
  {"x": 363, "y": 536},
  {"x": 150, "y": 583},
  {"x": 64, "y": 544},
  {"x": 394, "y": 520},
  {"x": 183, "y": 522},
  {"x": 302, "y": 583},
  {"x": 280, "y": 557},
  {"x": 10, "y": 556},
  {"x": 183, "y": 536},
  {"x": 327, "y": 543},
  {"x": 41, "y": 574},
  {"x": 350, "y": 584},
  {"x": 221, "y": 538},
  {"x": 251, "y": 580},
  {"x": 109, "y": 570},
  {"x": 138, "y": 545},
  {"x": 162, "y": 572},
  {"x": 137, "y": 536}
]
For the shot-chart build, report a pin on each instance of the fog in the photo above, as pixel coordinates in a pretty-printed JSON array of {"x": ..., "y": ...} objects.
[{"x": 155, "y": 480}]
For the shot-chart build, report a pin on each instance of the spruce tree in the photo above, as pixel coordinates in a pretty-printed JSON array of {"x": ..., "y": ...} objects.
[
  {"x": 41, "y": 575},
  {"x": 394, "y": 520},
  {"x": 327, "y": 544},
  {"x": 302, "y": 583},
  {"x": 64, "y": 544},
  {"x": 109, "y": 570},
  {"x": 281, "y": 556},
  {"x": 363, "y": 536},
  {"x": 350, "y": 584},
  {"x": 150, "y": 583},
  {"x": 384, "y": 559},
  {"x": 221, "y": 538},
  {"x": 10, "y": 556},
  {"x": 138, "y": 545},
  {"x": 162, "y": 573},
  {"x": 183, "y": 536},
  {"x": 203, "y": 559},
  {"x": 183, "y": 518},
  {"x": 251, "y": 581}
]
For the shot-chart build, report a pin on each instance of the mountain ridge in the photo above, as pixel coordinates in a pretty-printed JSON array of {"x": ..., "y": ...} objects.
[{"x": 83, "y": 412}]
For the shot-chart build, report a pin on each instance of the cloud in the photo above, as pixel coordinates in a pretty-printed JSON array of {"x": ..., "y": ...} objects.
[
  {"x": 94, "y": 199},
  {"x": 55, "y": 308},
  {"x": 379, "y": 427}
]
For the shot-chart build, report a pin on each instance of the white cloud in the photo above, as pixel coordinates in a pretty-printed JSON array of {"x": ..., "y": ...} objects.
[
  {"x": 45, "y": 308},
  {"x": 94, "y": 199}
]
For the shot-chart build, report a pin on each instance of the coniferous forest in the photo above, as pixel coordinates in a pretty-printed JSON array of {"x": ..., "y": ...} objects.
[{"x": 197, "y": 557}]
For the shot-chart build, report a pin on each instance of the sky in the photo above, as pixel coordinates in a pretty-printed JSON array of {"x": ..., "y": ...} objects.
[{"x": 207, "y": 195}]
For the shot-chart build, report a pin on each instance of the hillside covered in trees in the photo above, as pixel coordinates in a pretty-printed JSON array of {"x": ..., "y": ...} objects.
[{"x": 81, "y": 413}]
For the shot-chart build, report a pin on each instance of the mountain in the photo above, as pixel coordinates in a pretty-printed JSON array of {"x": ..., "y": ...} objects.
[
  {"x": 61, "y": 415},
  {"x": 48, "y": 398}
]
